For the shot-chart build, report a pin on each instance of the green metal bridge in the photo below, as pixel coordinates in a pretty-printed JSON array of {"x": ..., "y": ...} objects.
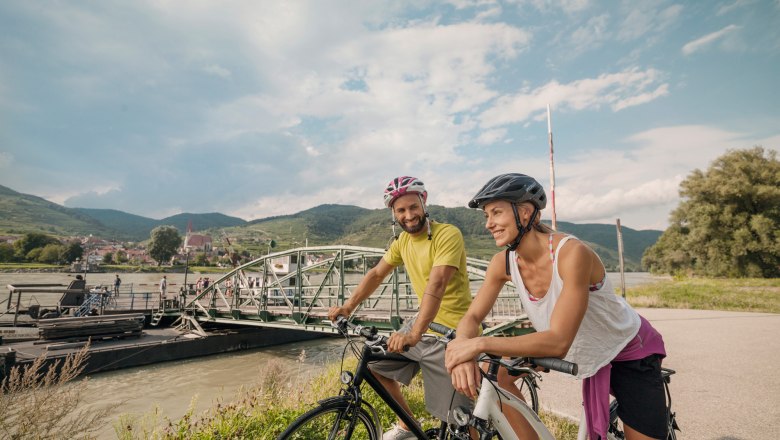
[{"x": 295, "y": 288}]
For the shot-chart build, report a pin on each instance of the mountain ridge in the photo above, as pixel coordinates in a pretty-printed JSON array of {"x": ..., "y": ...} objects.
[{"x": 319, "y": 225}]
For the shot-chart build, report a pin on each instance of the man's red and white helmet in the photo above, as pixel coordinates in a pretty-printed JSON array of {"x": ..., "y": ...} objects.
[{"x": 404, "y": 185}]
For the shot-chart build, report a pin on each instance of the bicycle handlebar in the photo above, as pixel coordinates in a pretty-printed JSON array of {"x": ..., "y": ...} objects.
[
  {"x": 369, "y": 333},
  {"x": 546, "y": 362}
]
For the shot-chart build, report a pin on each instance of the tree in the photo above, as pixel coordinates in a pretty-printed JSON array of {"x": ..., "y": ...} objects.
[
  {"x": 6, "y": 253},
  {"x": 31, "y": 241},
  {"x": 201, "y": 260},
  {"x": 51, "y": 253},
  {"x": 728, "y": 222},
  {"x": 108, "y": 258},
  {"x": 120, "y": 257},
  {"x": 165, "y": 241},
  {"x": 72, "y": 252}
]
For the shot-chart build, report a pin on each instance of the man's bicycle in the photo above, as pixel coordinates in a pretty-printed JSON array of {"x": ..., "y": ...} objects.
[{"x": 348, "y": 416}]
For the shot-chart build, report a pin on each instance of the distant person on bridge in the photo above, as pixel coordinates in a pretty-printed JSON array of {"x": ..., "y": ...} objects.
[
  {"x": 117, "y": 283},
  {"x": 564, "y": 289},
  {"x": 163, "y": 287},
  {"x": 435, "y": 259}
]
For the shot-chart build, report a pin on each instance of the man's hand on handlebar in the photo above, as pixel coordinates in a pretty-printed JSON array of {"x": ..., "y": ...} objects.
[
  {"x": 334, "y": 312},
  {"x": 401, "y": 342}
]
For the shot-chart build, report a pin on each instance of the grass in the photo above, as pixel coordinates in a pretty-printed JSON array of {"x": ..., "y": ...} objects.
[
  {"x": 12, "y": 267},
  {"x": 732, "y": 294},
  {"x": 37, "y": 402},
  {"x": 266, "y": 409}
]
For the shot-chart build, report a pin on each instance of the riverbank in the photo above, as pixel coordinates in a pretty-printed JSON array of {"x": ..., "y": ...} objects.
[{"x": 108, "y": 268}]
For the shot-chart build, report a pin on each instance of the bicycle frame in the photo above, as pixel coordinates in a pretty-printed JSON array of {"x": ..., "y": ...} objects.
[
  {"x": 487, "y": 408},
  {"x": 362, "y": 373}
]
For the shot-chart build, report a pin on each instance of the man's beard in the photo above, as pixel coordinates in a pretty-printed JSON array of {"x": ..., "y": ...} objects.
[{"x": 416, "y": 228}]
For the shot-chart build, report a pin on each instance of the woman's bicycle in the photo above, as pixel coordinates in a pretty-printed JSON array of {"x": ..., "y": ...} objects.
[
  {"x": 487, "y": 418},
  {"x": 615, "y": 431}
]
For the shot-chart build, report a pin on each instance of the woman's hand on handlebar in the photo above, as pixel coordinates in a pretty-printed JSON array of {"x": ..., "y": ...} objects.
[
  {"x": 466, "y": 378},
  {"x": 401, "y": 342},
  {"x": 460, "y": 350}
]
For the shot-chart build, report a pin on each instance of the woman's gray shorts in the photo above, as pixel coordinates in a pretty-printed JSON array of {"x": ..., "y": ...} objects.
[{"x": 428, "y": 355}]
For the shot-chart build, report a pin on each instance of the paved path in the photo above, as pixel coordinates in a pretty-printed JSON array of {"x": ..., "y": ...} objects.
[{"x": 727, "y": 385}]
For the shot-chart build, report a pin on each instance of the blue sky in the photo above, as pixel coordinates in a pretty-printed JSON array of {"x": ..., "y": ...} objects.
[{"x": 261, "y": 108}]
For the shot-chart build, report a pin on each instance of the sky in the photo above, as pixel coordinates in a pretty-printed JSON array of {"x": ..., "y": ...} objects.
[{"x": 263, "y": 108}]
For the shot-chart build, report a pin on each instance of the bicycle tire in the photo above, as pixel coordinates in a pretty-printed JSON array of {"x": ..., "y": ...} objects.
[
  {"x": 331, "y": 421},
  {"x": 528, "y": 389}
]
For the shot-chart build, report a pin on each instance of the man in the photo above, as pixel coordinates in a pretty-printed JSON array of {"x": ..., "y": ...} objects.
[
  {"x": 117, "y": 283},
  {"x": 163, "y": 286},
  {"x": 435, "y": 259}
]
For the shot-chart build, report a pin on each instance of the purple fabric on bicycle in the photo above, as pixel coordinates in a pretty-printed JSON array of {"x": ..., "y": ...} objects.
[{"x": 596, "y": 389}]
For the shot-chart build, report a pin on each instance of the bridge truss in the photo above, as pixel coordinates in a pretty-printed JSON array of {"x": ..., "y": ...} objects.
[{"x": 295, "y": 288}]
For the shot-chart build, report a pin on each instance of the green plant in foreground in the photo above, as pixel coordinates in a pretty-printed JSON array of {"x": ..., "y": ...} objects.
[
  {"x": 38, "y": 402},
  {"x": 266, "y": 409}
]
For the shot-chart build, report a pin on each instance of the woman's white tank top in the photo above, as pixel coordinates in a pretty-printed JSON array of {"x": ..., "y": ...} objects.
[{"x": 608, "y": 326}]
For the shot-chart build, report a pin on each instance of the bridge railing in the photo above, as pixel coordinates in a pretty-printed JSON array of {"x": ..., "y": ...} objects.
[{"x": 296, "y": 287}]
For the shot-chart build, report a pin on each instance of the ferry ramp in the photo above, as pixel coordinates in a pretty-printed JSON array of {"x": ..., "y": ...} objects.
[{"x": 295, "y": 288}]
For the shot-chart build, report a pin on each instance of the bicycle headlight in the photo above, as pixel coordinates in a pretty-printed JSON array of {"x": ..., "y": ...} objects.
[
  {"x": 461, "y": 416},
  {"x": 346, "y": 377}
]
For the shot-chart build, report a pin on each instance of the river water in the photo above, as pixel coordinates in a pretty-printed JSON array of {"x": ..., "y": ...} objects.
[{"x": 171, "y": 386}]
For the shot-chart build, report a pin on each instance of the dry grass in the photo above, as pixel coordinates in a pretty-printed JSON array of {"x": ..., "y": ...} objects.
[
  {"x": 38, "y": 402},
  {"x": 733, "y": 294}
]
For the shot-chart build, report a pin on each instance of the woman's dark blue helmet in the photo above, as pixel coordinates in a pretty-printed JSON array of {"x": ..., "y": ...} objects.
[{"x": 512, "y": 187}]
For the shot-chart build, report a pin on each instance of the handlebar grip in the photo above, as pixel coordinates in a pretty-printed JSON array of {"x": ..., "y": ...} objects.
[
  {"x": 443, "y": 329},
  {"x": 556, "y": 364}
]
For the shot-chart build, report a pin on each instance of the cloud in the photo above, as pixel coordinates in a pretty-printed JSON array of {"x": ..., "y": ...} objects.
[
  {"x": 6, "y": 159},
  {"x": 643, "y": 18},
  {"x": 701, "y": 43},
  {"x": 488, "y": 137},
  {"x": 617, "y": 90},
  {"x": 728, "y": 7},
  {"x": 591, "y": 35},
  {"x": 217, "y": 70},
  {"x": 567, "y": 6},
  {"x": 643, "y": 175}
]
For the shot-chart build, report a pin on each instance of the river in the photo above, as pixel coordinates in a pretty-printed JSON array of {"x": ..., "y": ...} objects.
[{"x": 171, "y": 386}]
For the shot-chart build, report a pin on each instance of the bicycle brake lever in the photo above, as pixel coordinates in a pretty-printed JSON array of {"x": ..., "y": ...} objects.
[{"x": 376, "y": 344}]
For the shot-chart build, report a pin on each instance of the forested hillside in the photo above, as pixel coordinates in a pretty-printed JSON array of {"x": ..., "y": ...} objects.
[{"x": 324, "y": 224}]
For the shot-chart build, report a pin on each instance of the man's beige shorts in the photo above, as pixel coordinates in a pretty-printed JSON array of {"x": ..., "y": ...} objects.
[{"x": 427, "y": 355}]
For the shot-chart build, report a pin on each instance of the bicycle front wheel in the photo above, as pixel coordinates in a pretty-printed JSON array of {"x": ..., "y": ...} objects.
[
  {"x": 332, "y": 420},
  {"x": 527, "y": 387}
]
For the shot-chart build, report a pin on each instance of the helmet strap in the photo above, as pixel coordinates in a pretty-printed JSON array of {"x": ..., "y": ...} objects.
[
  {"x": 521, "y": 231},
  {"x": 395, "y": 236},
  {"x": 427, "y": 216}
]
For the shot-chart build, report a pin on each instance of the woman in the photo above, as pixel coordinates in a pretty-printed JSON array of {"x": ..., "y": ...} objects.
[{"x": 564, "y": 289}]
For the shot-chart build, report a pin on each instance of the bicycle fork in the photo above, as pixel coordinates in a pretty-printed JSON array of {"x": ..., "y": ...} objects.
[{"x": 488, "y": 408}]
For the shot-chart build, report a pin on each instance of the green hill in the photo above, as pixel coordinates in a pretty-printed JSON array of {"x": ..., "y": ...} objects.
[
  {"x": 128, "y": 226},
  {"x": 321, "y": 225},
  {"x": 23, "y": 213},
  {"x": 138, "y": 228},
  {"x": 339, "y": 224}
]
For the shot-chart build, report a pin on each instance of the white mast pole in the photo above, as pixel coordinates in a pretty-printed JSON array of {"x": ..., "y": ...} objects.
[{"x": 552, "y": 169}]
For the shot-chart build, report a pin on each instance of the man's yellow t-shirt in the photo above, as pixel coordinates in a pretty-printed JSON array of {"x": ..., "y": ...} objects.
[{"x": 419, "y": 255}]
